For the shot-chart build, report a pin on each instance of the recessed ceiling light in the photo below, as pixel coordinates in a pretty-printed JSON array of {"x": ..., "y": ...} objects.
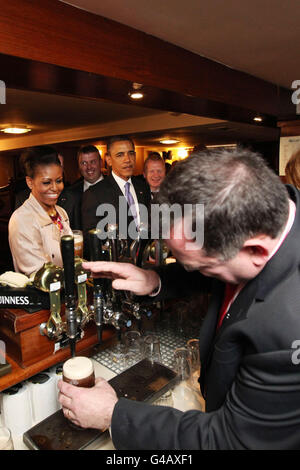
[
  {"x": 169, "y": 141},
  {"x": 136, "y": 93},
  {"x": 15, "y": 130}
]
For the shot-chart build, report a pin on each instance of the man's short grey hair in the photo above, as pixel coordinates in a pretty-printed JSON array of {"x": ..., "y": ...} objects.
[{"x": 242, "y": 197}]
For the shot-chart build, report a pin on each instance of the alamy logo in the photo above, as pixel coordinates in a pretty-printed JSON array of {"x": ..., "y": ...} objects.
[
  {"x": 2, "y": 92},
  {"x": 157, "y": 223},
  {"x": 2, "y": 352},
  {"x": 296, "y": 94},
  {"x": 296, "y": 353}
]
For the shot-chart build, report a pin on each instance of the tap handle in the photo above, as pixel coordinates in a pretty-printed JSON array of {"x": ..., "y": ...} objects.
[
  {"x": 95, "y": 245},
  {"x": 95, "y": 250},
  {"x": 67, "y": 251},
  {"x": 112, "y": 234}
]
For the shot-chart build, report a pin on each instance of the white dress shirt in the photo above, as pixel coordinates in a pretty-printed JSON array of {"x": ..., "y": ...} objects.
[
  {"x": 121, "y": 183},
  {"x": 86, "y": 184}
]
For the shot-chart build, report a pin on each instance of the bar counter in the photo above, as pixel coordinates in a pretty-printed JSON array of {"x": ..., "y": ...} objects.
[{"x": 183, "y": 399}]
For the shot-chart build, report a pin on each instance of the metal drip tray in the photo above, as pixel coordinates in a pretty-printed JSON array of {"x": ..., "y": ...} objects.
[
  {"x": 57, "y": 433},
  {"x": 169, "y": 341},
  {"x": 145, "y": 381}
]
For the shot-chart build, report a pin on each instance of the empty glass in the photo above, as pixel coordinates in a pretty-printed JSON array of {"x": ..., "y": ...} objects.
[
  {"x": 165, "y": 400},
  {"x": 193, "y": 347},
  {"x": 6, "y": 442},
  {"x": 119, "y": 355},
  {"x": 133, "y": 343},
  {"x": 152, "y": 348},
  {"x": 182, "y": 360}
]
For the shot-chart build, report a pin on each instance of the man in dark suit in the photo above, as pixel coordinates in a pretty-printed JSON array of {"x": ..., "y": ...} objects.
[
  {"x": 126, "y": 195},
  {"x": 250, "y": 337},
  {"x": 89, "y": 164}
]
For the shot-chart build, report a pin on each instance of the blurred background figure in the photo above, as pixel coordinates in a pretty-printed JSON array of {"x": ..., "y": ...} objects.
[
  {"x": 154, "y": 171},
  {"x": 292, "y": 170}
]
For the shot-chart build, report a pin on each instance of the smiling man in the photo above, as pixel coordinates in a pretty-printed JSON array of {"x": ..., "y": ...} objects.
[
  {"x": 154, "y": 171},
  {"x": 90, "y": 168},
  {"x": 89, "y": 163},
  {"x": 250, "y": 257},
  {"x": 119, "y": 189}
]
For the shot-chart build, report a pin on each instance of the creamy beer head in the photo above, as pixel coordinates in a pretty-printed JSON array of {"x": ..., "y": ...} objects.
[
  {"x": 79, "y": 371},
  {"x": 78, "y": 243}
]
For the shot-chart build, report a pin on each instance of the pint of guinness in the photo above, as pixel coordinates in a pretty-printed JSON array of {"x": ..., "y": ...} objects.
[{"x": 79, "y": 371}]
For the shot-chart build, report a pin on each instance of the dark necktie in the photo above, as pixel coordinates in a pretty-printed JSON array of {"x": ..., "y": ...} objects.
[{"x": 131, "y": 202}]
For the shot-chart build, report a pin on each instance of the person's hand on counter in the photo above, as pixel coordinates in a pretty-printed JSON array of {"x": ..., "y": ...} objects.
[
  {"x": 88, "y": 407},
  {"x": 126, "y": 276}
]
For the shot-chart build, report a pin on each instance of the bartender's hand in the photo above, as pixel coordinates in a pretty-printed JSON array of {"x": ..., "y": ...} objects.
[
  {"x": 125, "y": 276},
  {"x": 88, "y": 407}
]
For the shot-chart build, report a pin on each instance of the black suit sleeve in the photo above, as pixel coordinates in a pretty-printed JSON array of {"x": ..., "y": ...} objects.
[
  {"x": 138, "y": 426},
  {"x": 88, "y": 216},
  {"x": 88, "y": 210},
  {"x": 70, "y": 200}
]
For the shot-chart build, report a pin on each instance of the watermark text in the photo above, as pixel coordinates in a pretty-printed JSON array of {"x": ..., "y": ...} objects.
[{"x": 2, "y": 92}]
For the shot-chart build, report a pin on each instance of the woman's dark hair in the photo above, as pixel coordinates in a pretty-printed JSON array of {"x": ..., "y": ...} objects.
[{"x": 38, "y": 156}]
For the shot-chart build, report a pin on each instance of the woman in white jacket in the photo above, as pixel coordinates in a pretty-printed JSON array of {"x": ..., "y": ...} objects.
[{"x": 35, "y": 228}]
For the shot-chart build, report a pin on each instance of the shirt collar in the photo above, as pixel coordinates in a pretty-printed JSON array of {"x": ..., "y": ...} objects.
[
  {"x": 287, "y": 228},
  {"x": 86, "y": 184},
  {"x": 120, "y": 181}
]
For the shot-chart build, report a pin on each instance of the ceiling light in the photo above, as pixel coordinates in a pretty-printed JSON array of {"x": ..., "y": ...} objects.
[
  {"x": 136, "y": 92},
  {"x": 182, "y": 153},
  {"x": 258, "y": 118},
  {"x": 220, "y": 146},
  {"x": 15, "y": 130},
  {"x": 169, "y": 141}
]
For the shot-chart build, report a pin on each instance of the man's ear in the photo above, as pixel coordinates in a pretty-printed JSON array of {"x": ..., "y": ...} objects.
[
  {"x": 259, "y": 249},
  {"x": 108, "y": 160},
  {"x": 29, "y": 182}
]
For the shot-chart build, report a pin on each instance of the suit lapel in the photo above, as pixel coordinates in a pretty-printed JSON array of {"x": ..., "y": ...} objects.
[
  {"x": 142, "y": 191},
  {"x": 238, "y": 311},
  {"x": 208, "y": 328},
  {"x": 239, "y": 308}
]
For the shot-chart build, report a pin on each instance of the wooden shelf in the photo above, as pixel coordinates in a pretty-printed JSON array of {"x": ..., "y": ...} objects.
[{"x": 88, "y": 346}]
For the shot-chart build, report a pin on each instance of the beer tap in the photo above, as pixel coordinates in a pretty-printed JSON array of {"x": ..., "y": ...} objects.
[
  {"x": 67, "y": 251},
  {"x": 137, "y": 248},
  {"x": 49, "y": 279},
  {"x": 82, "y": 312},
  {"x": 112, "y": 312},
  {"x": 98, "y": 297}
]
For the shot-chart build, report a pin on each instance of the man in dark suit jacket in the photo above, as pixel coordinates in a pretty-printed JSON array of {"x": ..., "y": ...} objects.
[
  {"x": 112, "y": 190},
  {"x": 250, "y": 338},
  {"x": 89, "y": 164}
]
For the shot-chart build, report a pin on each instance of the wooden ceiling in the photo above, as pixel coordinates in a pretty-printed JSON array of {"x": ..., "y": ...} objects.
[
  {"x": 68, "y": 72},
  {"x": 259, "y": 37}
]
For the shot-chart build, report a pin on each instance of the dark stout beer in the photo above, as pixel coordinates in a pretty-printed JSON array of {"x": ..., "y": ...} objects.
[{"x": 79, "y": 371}]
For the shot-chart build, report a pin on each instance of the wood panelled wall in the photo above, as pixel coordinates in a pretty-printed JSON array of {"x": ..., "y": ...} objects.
[{"x": 56, "y": 33}]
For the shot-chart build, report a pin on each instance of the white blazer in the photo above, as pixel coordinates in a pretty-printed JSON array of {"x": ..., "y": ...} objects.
[{"x": 33, "y": 238}]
